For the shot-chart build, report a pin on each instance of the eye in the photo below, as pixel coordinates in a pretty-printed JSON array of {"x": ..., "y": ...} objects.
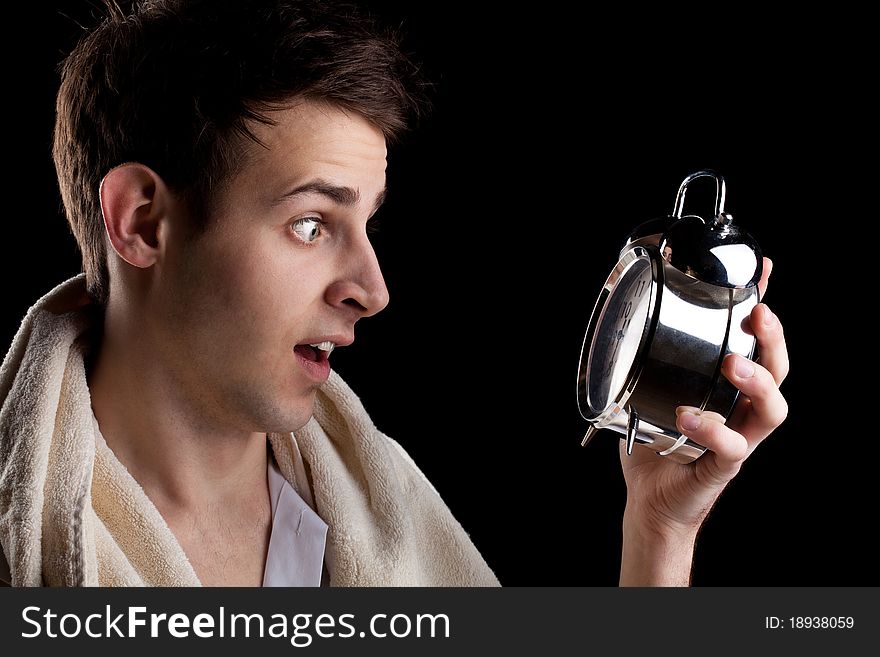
[{"x": 308, "y": 229}]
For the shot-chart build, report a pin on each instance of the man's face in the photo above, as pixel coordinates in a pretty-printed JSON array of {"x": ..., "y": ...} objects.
[{"x": 287, "y": 262}]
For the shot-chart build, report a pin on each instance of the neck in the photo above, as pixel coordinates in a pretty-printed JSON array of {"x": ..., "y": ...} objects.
[{"x": 184, "y": 455}]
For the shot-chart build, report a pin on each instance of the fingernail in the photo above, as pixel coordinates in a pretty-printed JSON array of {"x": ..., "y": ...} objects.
[
  {"x": 768, "y": 316},
  {"x": 745, "y": 369},
  {"x": 689, "y": 421}
]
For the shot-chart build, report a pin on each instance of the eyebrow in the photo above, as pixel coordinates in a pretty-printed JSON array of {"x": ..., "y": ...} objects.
[{"x": 345, "y": 196}]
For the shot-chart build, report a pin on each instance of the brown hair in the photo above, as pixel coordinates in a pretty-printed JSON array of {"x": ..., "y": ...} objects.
[{"x": 173, "y": 85}]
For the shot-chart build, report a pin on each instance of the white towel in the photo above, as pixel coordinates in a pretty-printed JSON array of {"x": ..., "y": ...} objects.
[{"x": 72, "y": 515}]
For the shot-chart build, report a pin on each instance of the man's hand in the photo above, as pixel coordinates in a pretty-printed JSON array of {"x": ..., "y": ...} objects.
[{"x": 667, "y": 502}]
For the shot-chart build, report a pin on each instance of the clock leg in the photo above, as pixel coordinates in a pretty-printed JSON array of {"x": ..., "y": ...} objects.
[
  {"x": 632, "y": 428},
  {"x": 592, "y": 431}
]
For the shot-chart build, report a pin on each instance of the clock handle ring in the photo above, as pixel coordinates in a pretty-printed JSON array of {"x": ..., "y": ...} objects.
[{"x": 720, "y": 193}]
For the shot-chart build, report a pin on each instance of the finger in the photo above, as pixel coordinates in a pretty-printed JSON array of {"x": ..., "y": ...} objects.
[
  {"x": 765, "y": 276},
  {"x": 717, "y": 417},
  {"x": 708, "y": 430},
  {"x": 772, "y": 347},
  {"x": 767, "y": 408}
]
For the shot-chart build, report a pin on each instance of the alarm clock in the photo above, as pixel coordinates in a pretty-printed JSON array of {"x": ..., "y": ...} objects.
[{"x": 674, "y": 306}]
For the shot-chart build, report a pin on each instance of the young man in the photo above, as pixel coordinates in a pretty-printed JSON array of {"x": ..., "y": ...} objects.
[{"x": 170, "y": 418}]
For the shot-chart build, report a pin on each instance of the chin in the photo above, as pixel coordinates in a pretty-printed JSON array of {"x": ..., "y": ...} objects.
[
  {"x": 294, "y": 416},
  {"x": 270, "y": 411}
]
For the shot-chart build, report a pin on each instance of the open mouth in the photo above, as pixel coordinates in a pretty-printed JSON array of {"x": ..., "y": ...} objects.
[
  {"x": 310, "y": 353},
  {"x": 315, "y": 352}
]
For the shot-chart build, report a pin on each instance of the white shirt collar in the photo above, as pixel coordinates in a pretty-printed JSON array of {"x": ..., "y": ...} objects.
[{"x": 298, "y": 539}]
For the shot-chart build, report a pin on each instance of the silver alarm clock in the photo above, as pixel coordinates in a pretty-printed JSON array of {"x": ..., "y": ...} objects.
[{"x": 670, "y": 311}]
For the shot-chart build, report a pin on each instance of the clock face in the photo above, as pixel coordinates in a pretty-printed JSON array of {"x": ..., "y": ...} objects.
[{"x": 618, "y": 333}]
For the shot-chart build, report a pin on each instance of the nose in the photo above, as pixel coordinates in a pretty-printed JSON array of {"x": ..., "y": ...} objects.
[{"x": 361, "y": 286}]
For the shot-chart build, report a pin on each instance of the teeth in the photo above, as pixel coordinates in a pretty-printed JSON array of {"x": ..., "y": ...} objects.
[{"x": 324, "y": 346}]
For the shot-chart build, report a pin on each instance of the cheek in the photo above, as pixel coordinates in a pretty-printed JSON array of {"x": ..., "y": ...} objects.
[{"x": 266, "y": 286}]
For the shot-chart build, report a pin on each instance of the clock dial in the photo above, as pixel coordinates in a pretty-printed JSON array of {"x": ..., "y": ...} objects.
[{"x": 618, "y": 334}]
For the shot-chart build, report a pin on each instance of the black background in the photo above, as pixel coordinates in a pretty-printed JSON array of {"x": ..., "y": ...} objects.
[{"x": 555, "y": 131}]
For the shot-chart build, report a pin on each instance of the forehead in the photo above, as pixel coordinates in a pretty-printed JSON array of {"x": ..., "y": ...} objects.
[{"x": 311, "y": 138}]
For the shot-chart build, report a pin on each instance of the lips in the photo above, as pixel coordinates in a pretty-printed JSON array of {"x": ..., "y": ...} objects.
[
  {"x": 313, "y": 354},
  {"x": 313, "y": 362}
]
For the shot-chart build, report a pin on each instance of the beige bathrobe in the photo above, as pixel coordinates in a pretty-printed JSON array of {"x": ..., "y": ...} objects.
[{"x": 72, "y": 515}]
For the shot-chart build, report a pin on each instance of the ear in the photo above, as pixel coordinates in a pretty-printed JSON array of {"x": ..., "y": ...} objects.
[{"x": 134, "y": 203}]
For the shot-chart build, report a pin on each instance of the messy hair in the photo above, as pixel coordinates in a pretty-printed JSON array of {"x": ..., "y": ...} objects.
[{"x": 175, "y": 84}]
